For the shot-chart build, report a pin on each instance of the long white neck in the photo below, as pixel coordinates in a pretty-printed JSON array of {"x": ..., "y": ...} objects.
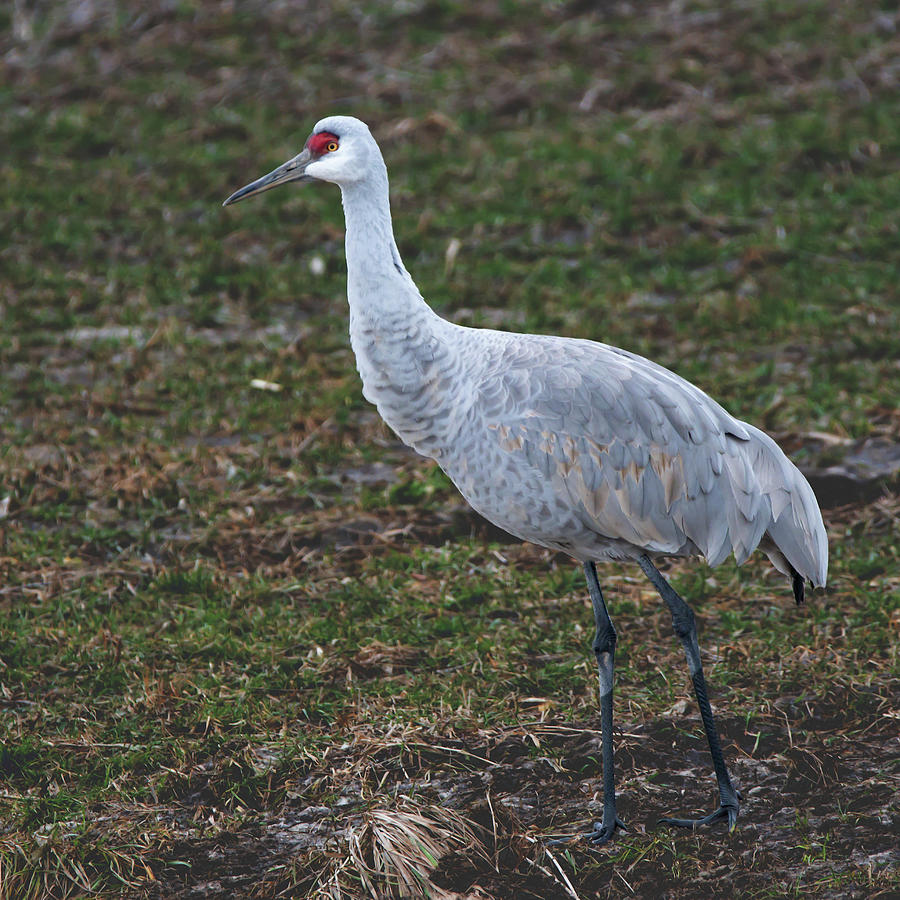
[{"x": 400, "y": 343}]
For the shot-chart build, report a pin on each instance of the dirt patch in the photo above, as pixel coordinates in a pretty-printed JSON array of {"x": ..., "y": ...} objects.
[{"x": 818, "y": 808}]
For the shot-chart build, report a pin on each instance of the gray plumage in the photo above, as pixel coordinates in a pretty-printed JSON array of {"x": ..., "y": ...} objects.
[
  {"x": 583, "y": 447},
  {"x": 570, "y": 444}
]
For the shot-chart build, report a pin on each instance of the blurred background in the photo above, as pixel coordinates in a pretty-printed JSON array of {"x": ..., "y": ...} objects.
[
  {"x": 214, "y": 557},
  {"x": 712, "y": 186}
]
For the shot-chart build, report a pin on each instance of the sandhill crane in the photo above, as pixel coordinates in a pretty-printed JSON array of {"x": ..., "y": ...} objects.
[{"x": 573, "y": 445}]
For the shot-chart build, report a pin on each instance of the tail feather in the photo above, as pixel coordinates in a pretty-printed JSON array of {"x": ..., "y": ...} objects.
[{"x": 797, "y": 531}]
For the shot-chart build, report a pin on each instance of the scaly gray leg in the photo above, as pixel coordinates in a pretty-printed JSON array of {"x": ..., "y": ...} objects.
[
  {"x": 686, "y": 629},
  {"x": 605, "y": 650}
]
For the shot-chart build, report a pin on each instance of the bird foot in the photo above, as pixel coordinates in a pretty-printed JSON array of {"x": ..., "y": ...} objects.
[
  {"x": 725, "y": 810},
  {"x": 599, "y": 835},
  {"x": 603, "y": 833}
]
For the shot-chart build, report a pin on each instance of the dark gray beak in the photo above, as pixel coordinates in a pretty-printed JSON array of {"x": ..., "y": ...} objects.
[{"x": 293, "y": 170}]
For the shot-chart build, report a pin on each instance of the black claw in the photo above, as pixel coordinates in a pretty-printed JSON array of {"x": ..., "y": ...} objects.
[
  {"x": 731, "y": 812},
  {"x": 601, "y": 837},
  {"x": 558, "y": 842},
  {"x": 602, "y": 834},
  {"x": 596, "y": 837}
]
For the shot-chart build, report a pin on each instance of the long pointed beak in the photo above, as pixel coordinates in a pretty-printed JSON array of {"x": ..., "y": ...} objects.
[{"x": 293, "y": 170}]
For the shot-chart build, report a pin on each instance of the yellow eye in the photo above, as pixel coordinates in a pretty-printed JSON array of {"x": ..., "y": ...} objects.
[{"x": 331, "y": 146}]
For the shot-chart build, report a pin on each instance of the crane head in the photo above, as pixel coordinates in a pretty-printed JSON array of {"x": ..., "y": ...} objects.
[{"x": 339, "y": 150}]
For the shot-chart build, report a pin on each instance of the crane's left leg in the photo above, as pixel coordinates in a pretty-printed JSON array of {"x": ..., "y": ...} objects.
[
  {"x": 686, "y": 629},
  {"x": 605, "y": 651}
]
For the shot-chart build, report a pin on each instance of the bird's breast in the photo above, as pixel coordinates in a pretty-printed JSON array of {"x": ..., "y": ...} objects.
[{"x": 411, "y": 378}]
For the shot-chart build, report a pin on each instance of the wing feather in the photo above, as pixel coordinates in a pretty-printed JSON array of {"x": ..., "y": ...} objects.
[{"x": 645, "y": 457}]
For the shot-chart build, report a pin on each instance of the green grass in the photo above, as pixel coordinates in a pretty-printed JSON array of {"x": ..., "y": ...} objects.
[{"x": 223, "y": 606}]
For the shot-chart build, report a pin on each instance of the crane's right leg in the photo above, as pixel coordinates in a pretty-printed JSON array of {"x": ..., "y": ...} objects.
[
  {"x": 605, "y": 651},
  {"x": 686, "y": 629}
]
